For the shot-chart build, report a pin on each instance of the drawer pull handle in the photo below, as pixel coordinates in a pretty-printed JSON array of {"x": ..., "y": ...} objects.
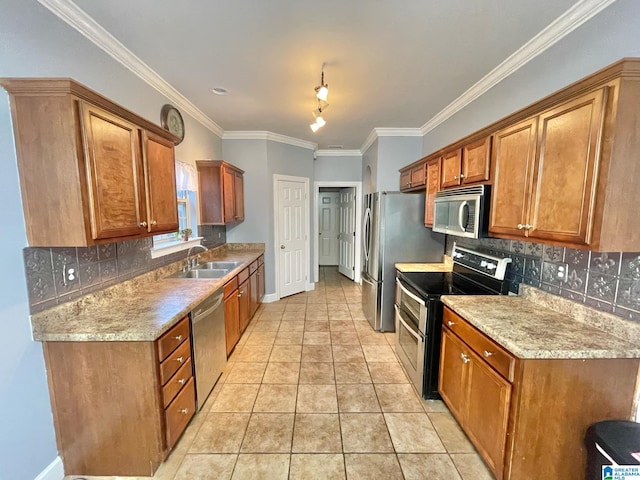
[
  {"x": 185, "y": 411},
  {"x": 180, "y": 359},
  {"x": 487, "y": 353},
  {"x": 464, "y": 358},
  {"x": 142, "y": 224},
  {"x": 450, "y": 323},
  {"x": 178, "y": 338},
  {"x": 182, "y": 381}
]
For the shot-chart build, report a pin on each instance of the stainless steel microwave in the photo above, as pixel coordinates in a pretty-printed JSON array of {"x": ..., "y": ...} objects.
[{"x": 463, "y": 212}]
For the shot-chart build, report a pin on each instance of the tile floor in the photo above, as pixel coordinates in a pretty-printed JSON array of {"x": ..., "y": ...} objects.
[{"x": 312, "y": 392}]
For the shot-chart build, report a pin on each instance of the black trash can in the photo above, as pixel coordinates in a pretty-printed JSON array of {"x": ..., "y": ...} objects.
[{"x": 616, "y": 441}]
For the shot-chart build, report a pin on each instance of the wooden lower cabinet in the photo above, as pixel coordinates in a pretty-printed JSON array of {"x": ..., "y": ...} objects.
[
  {"x": 261, "y": 290},
  {"x": 244, "y": 295},
  {"x": 113, "y": 414},
  {"x": 532, "y": 426},
  {"x": 232, "y": 320}
]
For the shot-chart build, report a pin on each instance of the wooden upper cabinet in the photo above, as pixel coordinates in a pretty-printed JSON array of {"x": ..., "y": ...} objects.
[
  {"x": 451, "y": 169},
  {"x": 86, "y": 174},
  {"x": 413, "y": 177},
  {"x": 433, "y": 186},
  {"x": 476, "y": 159},
  {"x": 221, "y": 192},
  {"x": 405, "y": 179},
  {"x": 544, "y": 181}
]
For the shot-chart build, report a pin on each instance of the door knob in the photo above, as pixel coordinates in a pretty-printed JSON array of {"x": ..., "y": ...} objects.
[{"x": 281, "y": 247}]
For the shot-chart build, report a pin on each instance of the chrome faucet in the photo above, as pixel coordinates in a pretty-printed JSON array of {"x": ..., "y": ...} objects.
[{"x": 189, "y": 264}]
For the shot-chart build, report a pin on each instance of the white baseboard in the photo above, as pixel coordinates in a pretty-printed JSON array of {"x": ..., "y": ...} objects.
[
  {"x": 270, "y": 298},
  {"x": 54, "y": 471}
]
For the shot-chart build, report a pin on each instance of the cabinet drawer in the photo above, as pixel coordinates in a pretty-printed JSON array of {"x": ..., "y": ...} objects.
[
  {"x": 179, "y": 412},
  {"x": 243, "y": 275},
  {"x": 174, "y": 337},
  {"x": 253, "y": 267},
  {"x": 500, "y": 359},
  {"x": 230, "y": 286},
  {"x": 179, "y": 380},
  {"x": 174, "y": 361},
  {"x": 260, "y": 259}
]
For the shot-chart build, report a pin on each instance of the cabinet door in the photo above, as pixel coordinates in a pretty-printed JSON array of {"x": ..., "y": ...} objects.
[
  {"x": 512, "y": 163},
  {"x": 567, "y": 159},
  {"x": 452, "y": 380},
  {"x": 238, "y": 189},
  {"x": 210, "y": 193},
  {"x": 260, "y": 283},
  {"x": 116, "y": 193},
  {"x": 487, "y": 413},
  {"x": 405, "y": 179},
  {"x": 245, "y": 305},
  {"x": 476, "y": 161},
  {"x": 232, "y": 320},
  {"x": 433, "y": 186},
  {"x": 228, "y": 195},
  {"x": 160, "y": 176},
  {"x": 418, "y": 175},
  {"x": 451, "y": 168},
  {"x": 253, "y": 291}
]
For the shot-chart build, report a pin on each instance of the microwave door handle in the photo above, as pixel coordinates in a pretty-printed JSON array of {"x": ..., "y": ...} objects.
[
  {"x": 405, "y": 325},
  {"x": 461, "y": 215},
  {"x": 409, "y": 294}
]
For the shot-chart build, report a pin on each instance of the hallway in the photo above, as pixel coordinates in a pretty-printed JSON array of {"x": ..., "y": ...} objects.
[{"x": 311, "y": 391}]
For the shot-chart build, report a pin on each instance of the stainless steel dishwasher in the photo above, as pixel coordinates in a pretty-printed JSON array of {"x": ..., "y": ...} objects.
[{"x": 209, "y": 344}]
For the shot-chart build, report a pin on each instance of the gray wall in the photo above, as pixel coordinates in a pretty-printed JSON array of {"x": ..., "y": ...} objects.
[
  {"x": 384, "y": 158},
  {"x": 35, "y": 43},
  {"x": 370, "y": 169},
  {"x": 334, "y": 169}
]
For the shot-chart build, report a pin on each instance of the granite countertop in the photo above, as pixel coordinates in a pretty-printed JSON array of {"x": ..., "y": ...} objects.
[
  {"x": 135, "y": 310},
  {"x": 446, "y": 266},
  {"x": 528, "y": 328}
]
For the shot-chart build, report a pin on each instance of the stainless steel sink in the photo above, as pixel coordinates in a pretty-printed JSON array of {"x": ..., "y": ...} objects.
[
  {"x": 201, "y": 273},
  {"x": 223, "y": 265}
]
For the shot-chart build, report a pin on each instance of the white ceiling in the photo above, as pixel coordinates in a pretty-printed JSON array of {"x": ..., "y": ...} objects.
[{"x": 388, "y": 64}]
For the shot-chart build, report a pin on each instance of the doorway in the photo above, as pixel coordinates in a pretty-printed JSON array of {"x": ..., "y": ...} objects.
[{"x": 338, "y": 207}]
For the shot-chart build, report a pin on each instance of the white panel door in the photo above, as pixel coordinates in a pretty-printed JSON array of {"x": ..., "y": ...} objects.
[
  {"x": 292, "y": 218},
  {"x": 328, "y": 228},
  {"x": 347, "y": 234}
]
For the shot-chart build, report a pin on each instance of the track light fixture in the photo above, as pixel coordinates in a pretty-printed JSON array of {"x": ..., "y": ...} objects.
[{"x": 322, "y": 93}]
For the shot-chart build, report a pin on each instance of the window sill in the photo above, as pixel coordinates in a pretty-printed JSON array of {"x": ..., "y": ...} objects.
[{"x": 174, "y": 247}]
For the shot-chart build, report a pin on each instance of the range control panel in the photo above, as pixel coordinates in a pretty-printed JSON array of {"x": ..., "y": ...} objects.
[{"x": 495, "y": 267}]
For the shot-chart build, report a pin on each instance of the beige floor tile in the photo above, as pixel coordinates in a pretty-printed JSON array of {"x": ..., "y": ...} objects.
[
  {"x": 358, "y": 315},
  {"x": 347, "y": 353},
  {"x": 271, "y": 315},
  {"x": 320, "y": 299},
  {"x": 246, "y": 372},
  {"x": 206, "y": 467},
  {"x": 435, "y": 406},
  {"x": 235, "y": 398},
  {"x": 317, "y": 353},
  {"x": 338, "y": 308},
  {"x": 261, "y": 338},
  {"x": 166, "y": 471},
  {"x": 450, "y": 433},
  {"x": 471, "y": 466},
  {"x": 317, "y": 373},
  {"x": 276, "y": 398},
  {"x": 341, "y": 325},
  {"x": 293, "y": 316},
  {"x": 274, "y": 306},
  {"x": 363, "y": 327},
  {"x": 266, "y": 326},
  {"x": 295, "y": 307},
  {"x": 378, "y": 353},
  {"x": 287, "y": 373},
  {"x": 372, "y": 466},
  {"x": 257, "y": 353},
  {"x": 261, "y": 466},
  {"x": 387, "y": 373},
  {"x": 364, "y": 433},
  {"x": 190, "y": 432},
  {"x": 221, "y": 433},
  {"x": 316, "y": 307},
  {"x": 371, "y": 337},
  {"x": 289, "y": 338},
  {"x": 268, "y": 433},
  {"x": 398, "y": 398},
  {"x": 357, "y": 398},
  {"x": 316, "y": 467},
  {"x": 316, "y": 338},
  {"x": 300, "y": 298},
  {"x": 413, "y": 433},
  {"x": 321, "y": 325},
  {"x": 317, "y": 433},
  {"x": 286, "y": 353},
  {"x": 340, "y": 315},
  {"x": 317, "y": 399},
  {"x": 352, "y": 373},
  {"x": 344, "y": 337},
  {"x": 422, "y": 466},
  {"x": 333, "y": 299},
  {"x": 291, "y": 326}
]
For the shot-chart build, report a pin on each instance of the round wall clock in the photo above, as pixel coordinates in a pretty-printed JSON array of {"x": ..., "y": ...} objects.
[{"x": 171, "y": 120}]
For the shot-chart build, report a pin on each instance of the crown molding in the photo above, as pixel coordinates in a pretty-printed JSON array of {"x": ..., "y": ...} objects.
[
  {"x": 274, "y": 137},
  {"x": 338, "y": 153},
  {"x": 77, "y": 18},
  {"x": 566, "y": 23},
  {"x": 389, "y": 132}
]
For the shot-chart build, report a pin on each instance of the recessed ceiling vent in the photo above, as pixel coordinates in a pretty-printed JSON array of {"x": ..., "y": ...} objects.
[{"x": 337, "y": 147}]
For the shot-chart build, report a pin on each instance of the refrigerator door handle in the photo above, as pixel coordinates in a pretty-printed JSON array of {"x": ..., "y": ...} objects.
[
  {"x": 365, "y": 280},
  {"x": 366, "y": 230}
]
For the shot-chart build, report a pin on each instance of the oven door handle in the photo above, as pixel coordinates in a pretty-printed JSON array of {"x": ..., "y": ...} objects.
[
  {"x": 409, "y": 294},
  {"x": 406, "y": 325}
]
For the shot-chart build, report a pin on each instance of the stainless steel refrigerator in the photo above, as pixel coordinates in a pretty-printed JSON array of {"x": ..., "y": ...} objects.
[{"x": 393, "y": 232}]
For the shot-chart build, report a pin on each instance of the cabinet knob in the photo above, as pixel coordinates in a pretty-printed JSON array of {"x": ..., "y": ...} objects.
[
  {"x": 239, "y": 294},
  {"x": 182, "y": 381},
  {"x": 142, "y": 224},
  {"x": 153, "y": 222},
  {"x": 487, "y": 353},
  {"x": 528, "y": 227},
  {"x": 455, "y": 177},
  {"x": 464, "y": 358},
  {"x": 450, "y": 323},
  {"x": 520, "y": 226},
  {"x": 184, "y": 411},
  {"x": 461, "y": 176},
  {"x": 180, "y": 359},
  {"x": 178, "y": 338}
]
